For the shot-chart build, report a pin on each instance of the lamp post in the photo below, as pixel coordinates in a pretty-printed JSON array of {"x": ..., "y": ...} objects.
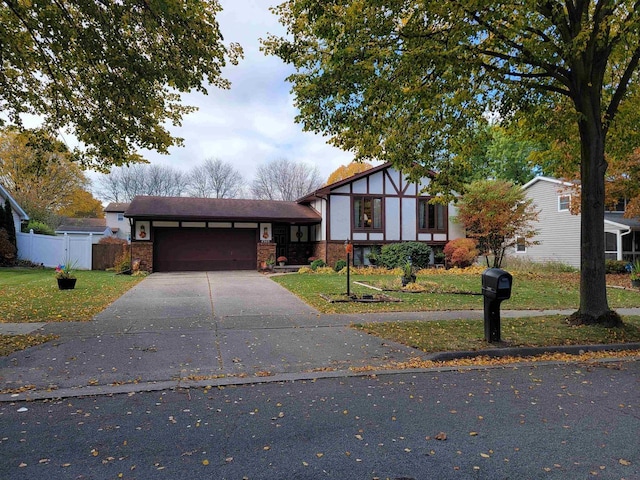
[{"x": 348, "y": 247}]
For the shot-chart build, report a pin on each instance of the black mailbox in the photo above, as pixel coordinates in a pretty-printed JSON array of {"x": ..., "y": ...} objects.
[
  {"x": 496, "y": 284},
  {"x": 496, "y": 287}
]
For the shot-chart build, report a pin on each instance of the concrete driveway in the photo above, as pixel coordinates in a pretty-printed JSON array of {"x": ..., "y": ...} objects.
[{"x": 177, "y": 327}]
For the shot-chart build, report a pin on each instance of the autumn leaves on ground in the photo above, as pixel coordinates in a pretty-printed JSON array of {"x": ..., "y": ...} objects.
[{"x": 31, "y": 295}]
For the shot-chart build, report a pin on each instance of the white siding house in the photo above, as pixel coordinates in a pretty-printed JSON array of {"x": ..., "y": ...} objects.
[
  {"x": 19, "y": 215},
  {"x": 559, "y": 230}
]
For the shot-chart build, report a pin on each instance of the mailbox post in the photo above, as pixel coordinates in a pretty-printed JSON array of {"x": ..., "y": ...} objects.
[{"x": 496, "y": 287}]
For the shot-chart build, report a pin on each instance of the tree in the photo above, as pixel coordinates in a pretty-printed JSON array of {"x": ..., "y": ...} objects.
[
  {"x": 122, "y": 184},
  {"x": 38, "y": 172},
  {"x": 112, "y": 71},
  {"x": 498, "y": 215},
  {"x": 215, "y": 179},
  {"x": 346, "y": 171},
  {"x": 283, "y": 179},
  {"x": 504, "y": 155},
  {"x": 82, "y": 204},
  {"x": 408, "y": 82}
]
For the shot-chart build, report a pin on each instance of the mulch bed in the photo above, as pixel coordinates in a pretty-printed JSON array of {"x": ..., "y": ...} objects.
[{"x": 362, "y": 298}]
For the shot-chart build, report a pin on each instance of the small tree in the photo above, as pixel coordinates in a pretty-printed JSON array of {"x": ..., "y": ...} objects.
[{"x": 497, "y": 213}]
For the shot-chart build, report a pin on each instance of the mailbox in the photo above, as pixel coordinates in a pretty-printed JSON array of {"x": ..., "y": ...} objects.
[
  {"x": 496, "y": 287},
  {"x": 496, "y": 284}
]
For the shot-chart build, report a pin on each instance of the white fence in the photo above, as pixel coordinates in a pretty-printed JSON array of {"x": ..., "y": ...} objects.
[{"x": 52, "y": 251}]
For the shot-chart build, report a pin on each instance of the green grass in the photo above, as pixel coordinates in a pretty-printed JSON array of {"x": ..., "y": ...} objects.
[
  {"x": 457, "y": 335},
  {"x": 531, "y": 291},
  {"x": 32, "y": 295}
]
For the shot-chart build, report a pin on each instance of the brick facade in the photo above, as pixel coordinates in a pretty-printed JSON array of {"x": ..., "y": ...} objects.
[
  {"x": 143, "y": 251},
  {"x": 335, "y": 252},
  {"x": 265, "y": 251}
]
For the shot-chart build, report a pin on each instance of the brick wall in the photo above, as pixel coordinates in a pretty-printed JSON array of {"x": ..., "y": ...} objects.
[
  {"x": 335, "y": 252},
  {"x": 265, "y": 250},
  {"x": 144, "y": 252}
]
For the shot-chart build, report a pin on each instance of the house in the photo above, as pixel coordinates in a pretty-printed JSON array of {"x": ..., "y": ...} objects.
[
  {"x": 372, "y": 208},
  {"x": 19, "y": 215},
  {"x": 119, "y": 225},
  {"x": 559, "y": 229},
  {"x": 96, "y": 228}
]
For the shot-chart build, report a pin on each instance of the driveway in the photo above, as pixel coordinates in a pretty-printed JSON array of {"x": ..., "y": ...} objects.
[{"x": 178, "y": 327}]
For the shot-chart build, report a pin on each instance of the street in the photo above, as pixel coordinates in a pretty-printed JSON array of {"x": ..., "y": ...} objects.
[{"x": 562, "y": 421}]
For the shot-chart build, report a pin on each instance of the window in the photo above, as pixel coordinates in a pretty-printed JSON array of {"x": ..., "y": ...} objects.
[
  {"x": 432, "y": 217},
  {"x": 564, "y": 201},
  {"x": 521, "y": 246},
  {"x": 121, "y": 217},
  {"x": 367, "y": 213}
]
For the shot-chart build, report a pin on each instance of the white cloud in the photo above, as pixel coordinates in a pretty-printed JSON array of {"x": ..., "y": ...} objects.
[{"x": 253, "y": 122}]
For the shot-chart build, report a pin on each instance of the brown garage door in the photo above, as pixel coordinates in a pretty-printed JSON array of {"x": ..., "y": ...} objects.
[{"x": 184, "y": 249}]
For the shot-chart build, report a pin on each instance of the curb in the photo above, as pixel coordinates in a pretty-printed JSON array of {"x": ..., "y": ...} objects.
[{"x": 133, "y": 388}]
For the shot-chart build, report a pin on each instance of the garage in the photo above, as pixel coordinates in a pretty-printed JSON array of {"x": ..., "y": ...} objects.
[{"x": 192, "y": 249}]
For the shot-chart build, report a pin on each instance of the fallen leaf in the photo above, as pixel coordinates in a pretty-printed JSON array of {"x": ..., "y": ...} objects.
[
  {"x": 624, "y": 462},
  {"x": 205, "y": 462},
  {"x": 485, "y": 455},
  {"x": 319, "y": 455},
  {"x": 473, "y": 434},
  {"x": 441, "y": 436}
]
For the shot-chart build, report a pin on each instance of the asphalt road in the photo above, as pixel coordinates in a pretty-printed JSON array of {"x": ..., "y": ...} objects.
[{"x": 565, "y": 421}]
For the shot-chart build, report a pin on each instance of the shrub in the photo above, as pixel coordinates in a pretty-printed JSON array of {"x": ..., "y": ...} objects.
[
  {"x": 305, "y": 270},
  {"x": 112, "y": 241},
  {"x": 395, "y": 255},
  {"x": 318, "y": 263},
  {"x": 123, "y": 262},
  {"x": 7, "y": 249},
  {"x": 615, "y": 266},
  {"x": 325, "y": 270},
  {"x": 39, "y": 227},
  {"x": 461, "y": 252},
  {"x": 340, "y": 264}
]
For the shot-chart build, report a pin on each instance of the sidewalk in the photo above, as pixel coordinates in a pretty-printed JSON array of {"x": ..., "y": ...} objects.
[{"x": 204, "y": 327}]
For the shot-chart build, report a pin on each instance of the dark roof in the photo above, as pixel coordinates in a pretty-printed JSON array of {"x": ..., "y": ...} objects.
[
  {"x": 88, "y": 225},
  {"x": 223, "y": 209},
  {"x": 618, "y": 217},
  {"x": 117, "y": 207}
]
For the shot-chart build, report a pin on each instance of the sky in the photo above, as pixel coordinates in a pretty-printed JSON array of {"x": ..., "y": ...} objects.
[{"x": 252, "y": 122}]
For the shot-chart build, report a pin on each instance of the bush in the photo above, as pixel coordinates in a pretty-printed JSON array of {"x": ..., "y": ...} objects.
[
  {"x": 112, "y": 241},
  {"x": 340, "y": 264},
  {"x": 461, "y": 252},
  {"x": 7, "y": 249},
  {"x": 318, "y": 263},
  {"x": 123, "y": 262},
  {"x": 395, "y": 255},
  {"x": 39, "y": 227},
  {"x": 616, "y": 266},
  {"x": 305, "y": 270}
]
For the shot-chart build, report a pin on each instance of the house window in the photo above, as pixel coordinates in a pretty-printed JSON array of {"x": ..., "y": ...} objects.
[
  {"x": 432, "y": 217},
  {"x": 367, "y": 213},
  {"x": 121, "y": 217},
  {"x": 564, "y": 202},
  {"x": 521, "y": 246}
]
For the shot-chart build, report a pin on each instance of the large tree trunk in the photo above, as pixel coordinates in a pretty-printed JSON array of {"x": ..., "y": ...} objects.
[{"x": 594, "y": 307}]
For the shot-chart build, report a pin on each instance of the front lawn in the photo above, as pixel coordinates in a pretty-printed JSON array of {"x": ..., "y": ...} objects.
[
  {"x": 464, "y": 335},
  {"x": 531, "y": 291},
  {"x": 32, "y": 295}
]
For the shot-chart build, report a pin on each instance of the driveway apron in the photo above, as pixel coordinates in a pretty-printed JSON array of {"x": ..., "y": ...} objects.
[{"x": 194, "y": 326}]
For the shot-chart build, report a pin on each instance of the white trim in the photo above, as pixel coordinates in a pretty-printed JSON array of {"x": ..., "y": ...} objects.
[
  {"x": 546, "y": 179},
  {"x": 21, "y": 213},
  {"x": 520, "y": 252},
  {"x": 569, "y": 203}
]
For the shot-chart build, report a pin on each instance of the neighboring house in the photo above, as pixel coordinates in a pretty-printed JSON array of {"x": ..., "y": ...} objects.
[
  {"x": 375, "y": 207},
  {"x": 19, "y": 215},
  {"x": 85, "y": 227},
  {"x": 559, "y": 230},
  {"x": 116, "y": 221}
]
